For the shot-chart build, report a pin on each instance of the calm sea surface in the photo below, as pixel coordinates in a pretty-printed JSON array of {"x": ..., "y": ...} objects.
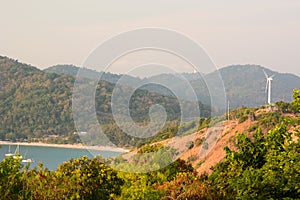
[{"x": 51, "y": 157}]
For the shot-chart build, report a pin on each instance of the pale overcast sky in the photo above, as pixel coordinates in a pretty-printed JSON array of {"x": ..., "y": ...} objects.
[{"x": 45, "y": 33}]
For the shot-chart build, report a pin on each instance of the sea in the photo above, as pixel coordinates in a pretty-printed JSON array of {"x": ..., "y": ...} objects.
[{"x": 52, "y": 157}]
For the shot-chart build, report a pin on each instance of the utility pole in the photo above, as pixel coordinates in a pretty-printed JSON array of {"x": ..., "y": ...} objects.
[{"x": 228, "y": 111}]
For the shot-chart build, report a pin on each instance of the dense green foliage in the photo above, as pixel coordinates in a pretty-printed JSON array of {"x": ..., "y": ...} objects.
[
  {"x": 146, "y": 185},
  {"x": 292, "y": 107},
  {"x": 11, "y": 179},
  {"x": 296, "y": 102},
  {"x": 75, "y": 179},
  {"x": 35, "y": 105},
  {"x": 83, "y": 179},
  {"x": 150, "y": 148},
  {"x": 267, "y": 167}
]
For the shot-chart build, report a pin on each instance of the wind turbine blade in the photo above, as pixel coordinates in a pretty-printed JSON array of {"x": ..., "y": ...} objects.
[
  {"x": 266, "y": 86},
  {"x": 273, "y": 76},
  {"x": 266, "y": 75}
]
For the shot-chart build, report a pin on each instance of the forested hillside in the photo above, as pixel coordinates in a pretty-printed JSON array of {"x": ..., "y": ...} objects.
[{"x": 35, "y": 104}]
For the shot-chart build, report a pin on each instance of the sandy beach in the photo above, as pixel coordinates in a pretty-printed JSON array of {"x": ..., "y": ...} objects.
[{"x": 71, "y": 146}]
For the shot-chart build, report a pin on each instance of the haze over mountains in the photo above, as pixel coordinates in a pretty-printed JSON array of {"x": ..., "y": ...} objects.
[{"x": 244, "y": 84}]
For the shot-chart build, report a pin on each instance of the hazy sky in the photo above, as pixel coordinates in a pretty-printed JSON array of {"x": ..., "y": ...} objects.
[{"x": 45, "y": 33}]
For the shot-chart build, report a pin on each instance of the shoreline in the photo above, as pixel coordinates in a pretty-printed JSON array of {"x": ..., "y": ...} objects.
[{"x": 67, "y": 146}]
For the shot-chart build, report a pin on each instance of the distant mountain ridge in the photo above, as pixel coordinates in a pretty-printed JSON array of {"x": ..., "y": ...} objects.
[
  {"x": 250, "y": 82},
  {"x": 244, "y": 84}
]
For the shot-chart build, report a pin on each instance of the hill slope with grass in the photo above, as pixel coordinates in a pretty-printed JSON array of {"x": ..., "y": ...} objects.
[{"x": 206, "y": 147}]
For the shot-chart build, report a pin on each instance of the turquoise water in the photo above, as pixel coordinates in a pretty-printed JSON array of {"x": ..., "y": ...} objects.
[{"x": 51, "y": 157}]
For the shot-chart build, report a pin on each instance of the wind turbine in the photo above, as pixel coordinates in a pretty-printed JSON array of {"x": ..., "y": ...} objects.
[{"x": 268, "y": 85}]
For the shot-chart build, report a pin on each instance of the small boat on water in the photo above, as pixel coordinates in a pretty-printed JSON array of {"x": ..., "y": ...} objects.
[
  {"x": 9, "y": 154},
  {"x": 28, "y": 160},
  {"x": 17, "y": 154}
]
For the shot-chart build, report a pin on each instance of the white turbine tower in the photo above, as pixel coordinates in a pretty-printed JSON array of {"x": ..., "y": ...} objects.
[{"x": 268, "y": 86}]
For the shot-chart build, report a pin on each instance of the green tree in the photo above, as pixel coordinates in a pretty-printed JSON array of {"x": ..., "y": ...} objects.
[
  {"x": 283, "y": 107},
  {"x": 190, "y": 186},
  {"x": 296, "y": 100},
  {"x": 10, "y": 178},
  {"x": 76, "y": 179},
  {"x": 265, "y": 167}
]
